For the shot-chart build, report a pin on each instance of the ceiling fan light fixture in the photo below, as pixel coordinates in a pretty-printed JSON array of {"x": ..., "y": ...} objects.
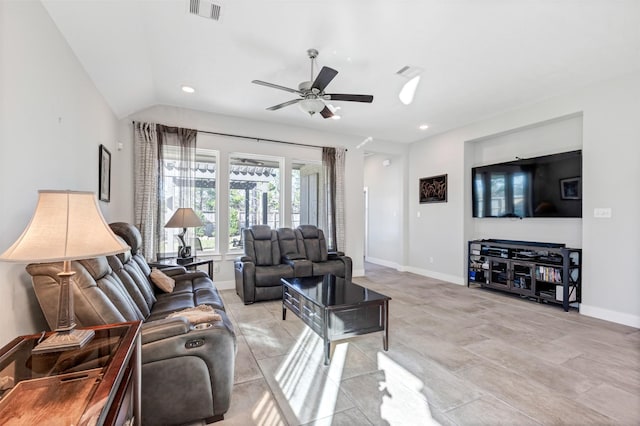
[
  {"x": 409, "y": 90},
  {"x": 311, "y": 106}
]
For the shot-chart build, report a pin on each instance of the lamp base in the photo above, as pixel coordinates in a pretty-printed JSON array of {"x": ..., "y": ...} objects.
[
  {"x": 64, "y": 341},
  {"x": 184, "y": 252},
  {"x": 184, "y": 260}
]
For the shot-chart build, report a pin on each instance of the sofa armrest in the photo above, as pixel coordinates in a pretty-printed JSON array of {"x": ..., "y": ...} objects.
[
  {"x": 244, "y": 259},
  {"x": 335, "y": 254},
  {"x": 190, "y": 275},
  {"x": 161, "y": 329},
  {"x": 292, "y": 256},
  {"x": 195, "y": 365},
  {"x": 173, "y": 270}
]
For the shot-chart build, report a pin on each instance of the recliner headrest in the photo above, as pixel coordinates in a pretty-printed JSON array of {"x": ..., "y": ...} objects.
[
  {"x": 97, "y": 267},
  {"x": 286, "y": 234},
  {"x": 129, "y": 233},
  {"x": 261, "y": 232},
  {"x": 309, "y": 231}
]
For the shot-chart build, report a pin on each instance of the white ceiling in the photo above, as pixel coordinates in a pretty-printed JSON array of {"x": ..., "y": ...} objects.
[{"x": 480, "y": 57}]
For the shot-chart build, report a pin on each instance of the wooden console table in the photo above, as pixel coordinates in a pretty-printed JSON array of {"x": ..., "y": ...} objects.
[{"x": 98, "y": 384}]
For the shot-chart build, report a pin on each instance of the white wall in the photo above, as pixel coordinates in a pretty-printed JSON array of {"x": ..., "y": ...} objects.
[
  {"x": 386, "y": 201},
  {"x": 52, "y": 121},
  {"x": 354, "y": 200},
  {"x": 550, "y": 137},
  {"x": 610, "y": 179}
]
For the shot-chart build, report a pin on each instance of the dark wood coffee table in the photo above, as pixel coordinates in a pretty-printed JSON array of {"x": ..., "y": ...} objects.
[{"x": 335, "y": 308}]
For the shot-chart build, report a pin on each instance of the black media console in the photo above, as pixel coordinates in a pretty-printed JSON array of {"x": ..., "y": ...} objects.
[{"x": 547, "y": 272}]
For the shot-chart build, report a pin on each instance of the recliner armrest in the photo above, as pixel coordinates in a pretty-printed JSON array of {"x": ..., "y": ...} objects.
[
  {"x": 161, "y": 329},
  {"x": 292, "y": 256},
  {"x": 335, "y": 254},
  {"x": 244, "y": 259}
]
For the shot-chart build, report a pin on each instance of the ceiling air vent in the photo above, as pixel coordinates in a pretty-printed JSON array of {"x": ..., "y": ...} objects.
[{"x": 205, "y": 9}]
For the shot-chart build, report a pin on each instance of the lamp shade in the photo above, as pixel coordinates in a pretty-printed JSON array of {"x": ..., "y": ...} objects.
[
  {"x": 66, "y": 225},
  {"x": 184, "y": 217}
]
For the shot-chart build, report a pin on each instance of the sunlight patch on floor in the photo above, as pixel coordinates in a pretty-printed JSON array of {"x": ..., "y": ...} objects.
[
  {"x": 306, "y": 388},
  {"x": 402, "y": 400},
  {"x": 266, "y": 412}
]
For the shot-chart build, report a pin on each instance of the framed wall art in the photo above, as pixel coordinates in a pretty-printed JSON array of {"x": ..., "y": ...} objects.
[
  {"x": 433, "y": 189},
  {"x": 104, "y": 178}
]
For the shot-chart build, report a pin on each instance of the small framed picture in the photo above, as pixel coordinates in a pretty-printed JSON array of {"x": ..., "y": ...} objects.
[
  {"x": 104, "y": 187},
  {"x": 433, "y": 189},
  {"x": 571, "y": 188}
]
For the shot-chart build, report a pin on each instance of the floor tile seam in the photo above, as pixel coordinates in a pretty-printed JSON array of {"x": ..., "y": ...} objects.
[
  {"x": 499, "y": 399},
  {"x": 313, "y": 421},
  {"x": 589, "y": 354},
  {"x": 582, "y": 376}
]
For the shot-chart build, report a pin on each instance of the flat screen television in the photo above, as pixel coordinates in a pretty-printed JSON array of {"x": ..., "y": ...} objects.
[{"x": 547, "y": 186}]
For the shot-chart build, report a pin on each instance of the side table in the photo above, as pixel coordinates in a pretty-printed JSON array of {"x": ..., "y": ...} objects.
[
  {"x": 98, "y": 384},
  {"x": 165, "y": 263}
]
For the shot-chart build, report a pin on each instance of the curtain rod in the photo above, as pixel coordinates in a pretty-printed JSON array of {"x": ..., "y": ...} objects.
[{"x": 258, "y": 139}]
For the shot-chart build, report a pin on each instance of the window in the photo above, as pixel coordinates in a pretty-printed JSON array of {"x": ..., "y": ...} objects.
[
  {"x": 201, "y": 239},
  {"x": 254, "y": 195},
  {"x": 305, "y": 184}
]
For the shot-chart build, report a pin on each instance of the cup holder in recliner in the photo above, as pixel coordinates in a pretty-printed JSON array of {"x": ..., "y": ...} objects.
[{"x": 202, "y": 326}]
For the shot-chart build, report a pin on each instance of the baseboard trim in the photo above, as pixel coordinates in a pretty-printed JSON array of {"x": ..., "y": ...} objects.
[
  {"x": 383, "y": 262},
  {"x": 424, "y": 272},
  {"x": 609, "y": 315},
  {"x": 437, "y": 275}
]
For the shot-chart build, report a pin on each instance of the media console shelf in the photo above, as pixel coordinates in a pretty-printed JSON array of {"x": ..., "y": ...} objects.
[{"x": 547, "y": 272}]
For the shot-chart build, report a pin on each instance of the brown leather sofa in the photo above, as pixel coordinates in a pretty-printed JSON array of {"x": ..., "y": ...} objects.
[
  {"x": 270, "y": 255},
  {"x": 187, "y": 372}
]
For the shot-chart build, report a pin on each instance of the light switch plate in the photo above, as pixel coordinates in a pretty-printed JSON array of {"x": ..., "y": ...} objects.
[{"x": 602, "y": 212}]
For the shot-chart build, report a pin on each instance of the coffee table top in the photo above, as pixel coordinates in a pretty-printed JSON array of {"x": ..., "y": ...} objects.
[{"x": 331, "y": 291}]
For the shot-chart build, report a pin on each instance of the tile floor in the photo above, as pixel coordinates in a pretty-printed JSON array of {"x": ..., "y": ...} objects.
[{"x": 457, "y": 356}]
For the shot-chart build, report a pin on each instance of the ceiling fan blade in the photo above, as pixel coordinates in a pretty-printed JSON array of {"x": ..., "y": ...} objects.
[
  {"x": 324, "y": 77},
  {"x": 352, "y": 98},
  {"x": 326, "y": 112},
  {"x": 276, "y": 86},
  {"x": 284, "y": 104}
]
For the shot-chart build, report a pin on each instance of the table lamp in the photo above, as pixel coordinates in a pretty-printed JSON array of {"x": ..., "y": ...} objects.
[
  {"x": 184, "y": 218},
  {"x": 66, "y": 225}
]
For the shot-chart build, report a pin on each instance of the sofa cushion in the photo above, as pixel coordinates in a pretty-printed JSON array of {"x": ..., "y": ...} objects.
[
  {"x": 335, "y": 267},
  {"x": 162, "y": 280},
  {"x": 132, "y": 288},
  {"x": 112, "y": 287},
  {"x": 315, "y": 246},
  {"x": 270, "y": 275},
  {"x": 289, "y": 243}
]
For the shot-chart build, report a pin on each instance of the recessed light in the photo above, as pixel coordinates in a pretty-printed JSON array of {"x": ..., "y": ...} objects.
[
  {"x": 335, "y": 117},
  {"x": 188, "y": 89},
  {"x": 423, "y": 126}
]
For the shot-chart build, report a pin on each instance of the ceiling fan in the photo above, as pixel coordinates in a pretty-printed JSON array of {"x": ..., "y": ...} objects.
[{"x": 312, "y": 95}]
